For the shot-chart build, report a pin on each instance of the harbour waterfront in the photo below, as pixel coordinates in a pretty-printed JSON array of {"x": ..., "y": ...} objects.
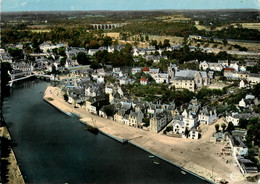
[{"x": 53, "y": 147}]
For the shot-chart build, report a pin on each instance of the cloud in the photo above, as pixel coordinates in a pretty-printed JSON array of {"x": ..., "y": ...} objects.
[{"x": 23, "y": 4}]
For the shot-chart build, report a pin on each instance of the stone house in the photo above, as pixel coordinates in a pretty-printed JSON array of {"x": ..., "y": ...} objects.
[
  {"x": 243, "y": 84},
  {"x": 184, "y": 83},
  {"x": 253, "y": 78},
  {"x": 143, "y": 81},
  {"x": 234, "y": 65},
  {"x": 201, "y": 79},
  {"x": 119, "y": 116},
  {"x": 159, "y": 121},
  {"x": 238, "y": 147},
  {"x": 224, "y": 63},
  {"x": 135, "y": 118},
  {"x": 228, "y": 72},
  {"x": 246, "y": 166},
  {"x": 235, "y": 117},
  {"x": 193, "y": 134},
  {"x": 207, "y": 115}
]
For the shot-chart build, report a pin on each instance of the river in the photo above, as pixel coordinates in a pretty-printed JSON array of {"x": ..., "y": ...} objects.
[{"x": 52, "y": 147}]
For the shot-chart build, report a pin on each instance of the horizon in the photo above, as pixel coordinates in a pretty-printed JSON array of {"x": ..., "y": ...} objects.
[
  {"x": 159, "y": 10},
  {"x": 123, "y": 5}
]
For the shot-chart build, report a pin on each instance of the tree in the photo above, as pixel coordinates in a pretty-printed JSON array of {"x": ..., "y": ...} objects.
[
  {"x": 230, "y": 127},
  {"x": 83, "y": 59},
  {"x": 141, "y": 38},
  {"x": 256, "y": 90},
  {"x": 186, "y": 133},
  {"x": 107, "y": 41},
  {"x": 61, "y": 51},
  {"x": 36, "y": 45},
  {"x": 65, "y": 96},
  {"x": 223, "y": 126},
  {"x": 110, "y": 110},
  {"x": 166, "y": 43},
  {"x": 102, "y": 57},
  {"x": 146, "y": 38},
  {"x": 253, "y": 131},
  {"x": 243, "y": 123},
  {"x": 146, "y": 122},
  {"x": 224, "y": 41},
  {"x": 16, "y": 53},
  {"x": 53, "y": 69},
  {"x": 63, "y": 61},
  {"x": 95, "y": 65},
  {"x": 217, "y": 127},
  {"x": 124, "y": 36}
]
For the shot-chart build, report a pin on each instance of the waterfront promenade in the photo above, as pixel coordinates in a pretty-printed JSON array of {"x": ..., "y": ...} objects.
[{"x": 197, "y": 156}]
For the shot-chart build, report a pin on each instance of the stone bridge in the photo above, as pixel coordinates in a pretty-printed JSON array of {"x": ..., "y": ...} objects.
[{"x": 107, "y": 26}]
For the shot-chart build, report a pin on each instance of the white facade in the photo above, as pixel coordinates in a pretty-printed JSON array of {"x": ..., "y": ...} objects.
[
  {"x": 235, "y": 66},
  {"x": 238, "y": 148},
  {"x": 243, "y": 84},
  {"x": 143, "y": 81},
  {"x": 184, "y": 84},
  {"x": 136, "y": 70},
  {"x": 207, "y": 117},
  {"x": 253, "y": 78},
  {"x": 123, "y": 81},
  {"x": 193, "y": 134},
  {"x": 100, "y": 80},
  {"x": 233, "y": 119},
  {"x": 89, "y": 92},
  {"x": 242, "y": 103}
]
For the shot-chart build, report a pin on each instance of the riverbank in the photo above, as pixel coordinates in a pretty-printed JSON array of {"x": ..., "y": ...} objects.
[
  {"x": 14, "y": 174},
  {"x": 198, "y": 156}
]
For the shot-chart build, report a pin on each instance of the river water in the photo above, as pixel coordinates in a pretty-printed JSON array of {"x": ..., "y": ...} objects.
[{"x": 52, "y": 147}]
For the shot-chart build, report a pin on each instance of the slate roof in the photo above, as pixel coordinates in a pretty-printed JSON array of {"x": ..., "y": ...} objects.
[
  {"x": 237, "y": 141},
  {"x": 185, "y": 73}
]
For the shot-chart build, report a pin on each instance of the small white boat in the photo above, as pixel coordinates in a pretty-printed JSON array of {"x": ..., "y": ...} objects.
[
  {"x": 157, "y": 163},
  {"x": 151, "y": 156},
  {"x": 183, "y": 172}
]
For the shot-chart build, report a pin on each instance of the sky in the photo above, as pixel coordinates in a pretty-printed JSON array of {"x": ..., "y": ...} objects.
[{"x": 48, "y": 5}]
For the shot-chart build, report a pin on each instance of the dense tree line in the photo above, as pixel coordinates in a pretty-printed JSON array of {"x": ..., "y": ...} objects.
[
  {"x": 75, "y": 36},
  {"x": 16, "y": 53},
  {"x": 230, "y": 33},
  {"x": 117, "y": 58},
  {"x": 184, "y": 54},
  {"x": 185, "y": 29},
  {"x": 158, "y": 28},
  {"x": 204, "y": 94}
]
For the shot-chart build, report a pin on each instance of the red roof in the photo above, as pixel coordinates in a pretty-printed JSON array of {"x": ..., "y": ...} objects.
[
  {"x": 146, "y": 69},
  {"x": 229, "y": 69},
  {"x": 143, "y": 79},
  {"x": 245, "y": 81}
]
